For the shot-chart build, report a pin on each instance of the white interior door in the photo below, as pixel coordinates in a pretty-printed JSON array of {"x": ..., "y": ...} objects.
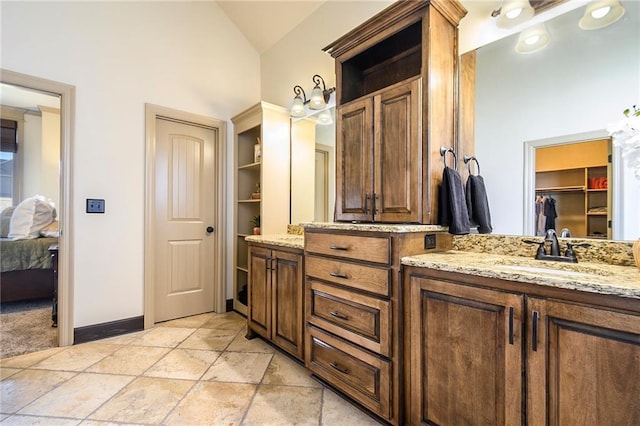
[{"x": 184, "y": 219}]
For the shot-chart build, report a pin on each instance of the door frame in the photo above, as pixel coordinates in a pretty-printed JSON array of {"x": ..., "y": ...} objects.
[
  {"x": 530, "y": 147},
  {"x": 152, "y": 113},
  {"x": 67, "y": 95}
]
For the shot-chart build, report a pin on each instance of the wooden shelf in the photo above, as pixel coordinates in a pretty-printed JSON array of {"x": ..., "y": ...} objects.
[
  {"x": 250, "y": 166},
  {"x": 565, "y": 173},
  {"x": 250, "y": 200},
  {"x": 561, "y": 189}
]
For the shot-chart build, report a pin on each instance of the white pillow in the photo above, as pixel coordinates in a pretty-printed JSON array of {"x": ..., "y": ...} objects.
[{"x": 29, "y": 217}]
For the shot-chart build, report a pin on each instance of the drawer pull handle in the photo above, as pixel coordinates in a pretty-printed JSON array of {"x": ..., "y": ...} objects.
[
  {"x": 342, "y": 248},
  {"x": 511, "y": 315},
  {"x": 335, "y": 366},
  {"x": 339, "y": 315},
  {"x": 338, "y": 275},
  {"x": 534, "y": 333}
]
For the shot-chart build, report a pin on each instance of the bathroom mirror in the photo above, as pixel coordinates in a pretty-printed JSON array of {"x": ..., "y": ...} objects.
[
  {"x": 313, "y": 169},
  {"x": 578, "y": 84}
]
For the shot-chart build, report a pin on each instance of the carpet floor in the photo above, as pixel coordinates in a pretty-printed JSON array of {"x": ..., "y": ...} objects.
[{"x": 26, "y": 327}]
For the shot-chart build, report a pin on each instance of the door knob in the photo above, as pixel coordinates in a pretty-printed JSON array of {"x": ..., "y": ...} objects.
[{"x": 209, "y": 229}]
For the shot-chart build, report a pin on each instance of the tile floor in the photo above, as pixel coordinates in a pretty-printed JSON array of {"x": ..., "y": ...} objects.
[{"x": 198, "y": 370}]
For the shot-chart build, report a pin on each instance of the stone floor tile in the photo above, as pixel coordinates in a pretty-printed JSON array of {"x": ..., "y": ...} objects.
[
  {"x": 77, "y": 358},
  {"x": 26, "y": 386},
  {"x": 77, "y": 397},
  {"x": 241, "y": 344},
  {"x": 189, "y": 364},
  {"x": 238, "y": 367},
  {"x": 284, "y": 371},
  {"x": 27, "y": 360},
  {"x": 166, "y": 337},
  {"x": 336, "y": 411},
  {"x": 194, "y": 321},
  {"x": 6, "y": 372},
  {"x": 285, "y": 405},
  {"x": 145, "y": 400},
  {"x": 226, "y": 321},
  {"x": 19, "y": 420},
  {"x": 213, "y": 403},
  {"x": 209, "y": 339},
  {"x": 129, "y": 360}
]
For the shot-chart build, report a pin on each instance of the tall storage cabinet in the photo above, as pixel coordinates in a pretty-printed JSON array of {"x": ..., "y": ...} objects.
[
  {"x": 396, "y": 94},
  {"x": 262, "y": 153}
]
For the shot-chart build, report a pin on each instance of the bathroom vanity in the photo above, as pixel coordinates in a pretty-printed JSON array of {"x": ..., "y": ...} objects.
[
  {"x": 471, "y": 329},
  {"x": 478, "y": 321}
]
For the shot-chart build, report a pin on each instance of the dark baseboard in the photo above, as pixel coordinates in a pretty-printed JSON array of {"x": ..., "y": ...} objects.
[
  {"x": 107, "y": 329},
  {"x": 229, "y": 306}
]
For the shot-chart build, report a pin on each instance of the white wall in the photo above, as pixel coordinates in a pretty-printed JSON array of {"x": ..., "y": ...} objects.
[
  {"x": 41, "y": 153},
  {"x": 298, "y": 55},
  {"x": 580, "y": 82},
  {"x": 120, "y": 55}
]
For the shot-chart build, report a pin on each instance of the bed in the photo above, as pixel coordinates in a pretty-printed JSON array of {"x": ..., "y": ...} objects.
[
  {"x": 26, "y": 266},
  {"x": 27, "y": 269}
]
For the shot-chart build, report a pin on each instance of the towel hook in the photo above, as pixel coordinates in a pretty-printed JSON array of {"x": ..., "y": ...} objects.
[
  {"x": 443, "y": 153},
  {"x": 467, "y": 161}
]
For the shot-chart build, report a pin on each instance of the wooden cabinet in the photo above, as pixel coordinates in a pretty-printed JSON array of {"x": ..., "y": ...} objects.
[
  {"x": 354, "y": 314},
  {"x": 275, "y": 309},
  {"x": 466, "y": 354},
  {"x": 583, "y": 365},
  {"x": 261, "y": 154},
  {"x": 378, "y": 178},
  {"x": 389, "y": 130},
  {"x": 469, "y": 344},
  {"x": 578, "y": 177}
]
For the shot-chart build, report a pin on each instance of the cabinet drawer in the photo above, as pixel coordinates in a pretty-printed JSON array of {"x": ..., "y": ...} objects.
[
  {"x": 361, "y": 277},
  {"x": 361, "y": 319},
  {"x": 369, "y": 249},
  {"x": 362, "y": 376}
]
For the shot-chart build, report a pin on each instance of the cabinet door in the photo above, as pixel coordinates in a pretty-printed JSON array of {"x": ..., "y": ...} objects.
[
  {"x": 287, "y": 293},
  {"x": 397, "y": 154},
  {"x": 259, "y": 307},
  {"x": 466, "y": 354},
  {"x": 583, "y": 365},
  {"x": 354, "y": 165}
]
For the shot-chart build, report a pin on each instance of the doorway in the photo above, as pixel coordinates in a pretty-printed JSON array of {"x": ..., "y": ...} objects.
[
  {"x": 66, "y": 93},
  {"x": 194, "y": 237},
  {"x": 589, "y": 191}
]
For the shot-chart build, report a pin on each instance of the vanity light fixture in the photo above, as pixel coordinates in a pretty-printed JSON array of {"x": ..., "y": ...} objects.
[
  {"x": 324, "y": 118},
  {"x": 533, "y": 39},
  {"x": 514, "y": 12},
  {"x": 601, "y": 13},
  {"x": 318, "y": 101},
  {"x": 297, "y": 107}
]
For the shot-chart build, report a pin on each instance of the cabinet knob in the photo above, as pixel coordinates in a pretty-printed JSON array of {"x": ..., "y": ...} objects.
[{"x": 210, "y": 229}]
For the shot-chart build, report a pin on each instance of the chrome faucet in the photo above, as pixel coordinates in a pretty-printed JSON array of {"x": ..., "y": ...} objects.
[{"x": 552, "y": 238}]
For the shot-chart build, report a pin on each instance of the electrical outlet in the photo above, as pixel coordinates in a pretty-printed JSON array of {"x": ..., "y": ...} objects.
[
  {"x": 430, "y": 241},
  {"x": 95, "y": 205}
]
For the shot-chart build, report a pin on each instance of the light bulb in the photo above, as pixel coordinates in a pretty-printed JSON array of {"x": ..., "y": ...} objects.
[
  {"x": 297, "y": 108},
  {"x": 513, "y": 14},
  {"x": 317, "y": 98},
  {"x": 601, "y": 12},
  {"x": 532, "y": 40}
]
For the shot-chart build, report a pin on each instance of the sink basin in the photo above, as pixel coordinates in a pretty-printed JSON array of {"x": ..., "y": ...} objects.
[{"x": 551, "y": 271}]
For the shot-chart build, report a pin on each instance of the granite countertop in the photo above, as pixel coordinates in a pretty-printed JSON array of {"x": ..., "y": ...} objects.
[
  {"x": 375, "y": 227},
  {"x": 282, "y": 240},
  {"x": 588, "y": 277}
]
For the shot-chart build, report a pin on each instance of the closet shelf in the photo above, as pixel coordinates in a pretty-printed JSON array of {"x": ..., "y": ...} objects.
[{"x": 562, "y": 189}]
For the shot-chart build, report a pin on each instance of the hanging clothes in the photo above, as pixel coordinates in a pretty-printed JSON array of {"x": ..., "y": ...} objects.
[
  {"x": 550, "y": 213},
  {"x": 540, "y": 218}
]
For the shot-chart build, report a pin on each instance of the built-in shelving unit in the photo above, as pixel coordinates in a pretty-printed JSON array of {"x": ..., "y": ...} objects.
[
  {"x": 261, "y": 139},
  {"x": 576, "y": 176}
]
